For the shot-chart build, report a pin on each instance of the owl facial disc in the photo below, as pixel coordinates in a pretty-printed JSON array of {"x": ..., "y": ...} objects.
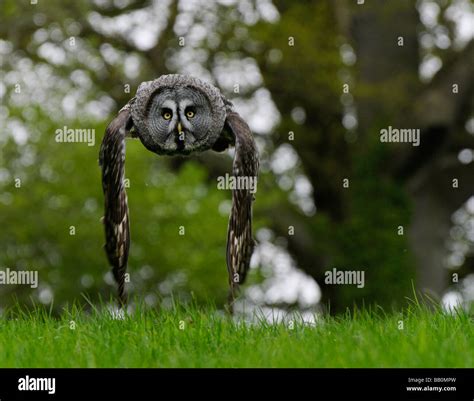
[{"x": 178, "y": 114}]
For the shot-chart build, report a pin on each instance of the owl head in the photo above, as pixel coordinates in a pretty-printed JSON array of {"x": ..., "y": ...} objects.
[{"x": 178, "y": 114}]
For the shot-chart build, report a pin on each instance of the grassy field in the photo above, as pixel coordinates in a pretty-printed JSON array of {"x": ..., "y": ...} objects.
[{"x": 202, "y": 337}]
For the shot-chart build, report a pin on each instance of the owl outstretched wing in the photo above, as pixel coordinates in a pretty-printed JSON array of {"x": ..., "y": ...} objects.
[
  {"x": 116, "y": 221},
  {"x": 240, "y": 242}
]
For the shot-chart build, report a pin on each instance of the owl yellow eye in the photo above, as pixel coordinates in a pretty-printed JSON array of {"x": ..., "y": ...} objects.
[
  {"x": 190, "y": 114},
  {"x": 166, "y": 114}
]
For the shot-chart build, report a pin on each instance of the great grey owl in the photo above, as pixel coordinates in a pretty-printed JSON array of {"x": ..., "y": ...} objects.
[{"x": 178, "y": 115}]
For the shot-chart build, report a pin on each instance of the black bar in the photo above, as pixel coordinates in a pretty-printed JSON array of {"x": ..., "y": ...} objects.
[{"x": 238, "y": 384}]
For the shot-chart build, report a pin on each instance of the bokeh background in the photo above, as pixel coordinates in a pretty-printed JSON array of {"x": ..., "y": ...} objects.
[{"x": 316, "y": 80}]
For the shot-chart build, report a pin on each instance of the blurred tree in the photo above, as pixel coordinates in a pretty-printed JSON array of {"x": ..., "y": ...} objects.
[{"x": 346, "y": 201}]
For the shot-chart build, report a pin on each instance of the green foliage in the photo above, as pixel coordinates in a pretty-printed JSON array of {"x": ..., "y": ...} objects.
[
  {"x": 378, "y": 208},
  {"x": 61, "y": 189},
  {"x": 353, "y": 228}
]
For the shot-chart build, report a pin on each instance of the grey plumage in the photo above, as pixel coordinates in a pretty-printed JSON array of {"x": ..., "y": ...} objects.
[
  {"x": 177, "y": 114},
  {"x": 206, "y": 98},
  {"x": 117, "y": 230}
]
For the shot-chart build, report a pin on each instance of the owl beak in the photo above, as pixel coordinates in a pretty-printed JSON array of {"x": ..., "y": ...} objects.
[{"x": 180, "y": 128}]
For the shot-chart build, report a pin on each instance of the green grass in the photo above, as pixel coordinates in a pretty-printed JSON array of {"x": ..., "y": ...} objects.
[{"x": 150, "y": 338}]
